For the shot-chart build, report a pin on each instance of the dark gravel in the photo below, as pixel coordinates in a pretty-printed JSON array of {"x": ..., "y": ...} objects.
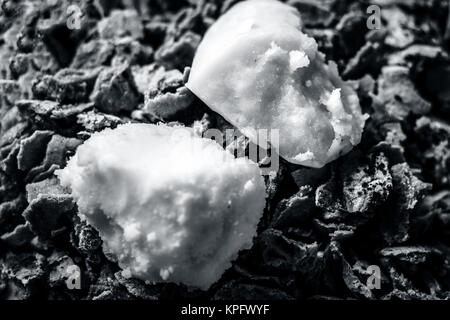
[{"x": 387, "y": 203}]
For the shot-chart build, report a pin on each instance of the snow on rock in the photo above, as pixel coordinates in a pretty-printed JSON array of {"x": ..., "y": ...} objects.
[
  {"x": 260, "y": 71},
  {"x": 169, "y": 205}
]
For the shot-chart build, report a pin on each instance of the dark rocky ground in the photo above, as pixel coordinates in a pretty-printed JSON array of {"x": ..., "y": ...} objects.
[{"x": 387, "y": 203}]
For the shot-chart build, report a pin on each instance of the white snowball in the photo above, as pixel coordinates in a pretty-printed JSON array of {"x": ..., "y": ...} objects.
[
  {"x": 258, "y": 70},
  {"x": 171, "y": 206}
]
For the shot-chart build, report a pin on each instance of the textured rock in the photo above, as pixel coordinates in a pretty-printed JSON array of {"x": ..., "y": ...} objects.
[
  {"x": 115, "y": 90},
  {"x": 10, "y": 213},
  {"x": 407, "y": 190},
  {"x": 121, "y": 23},
  {"x": 20, "y": 236},
  {"x": 148, "y": 77},
  {"x": 47, "y": 113},
  {"x": 93, "y": 54},
  {"x": 432, "y": 141},
  {"x": 66, "y": 86},
  {"x": 32, "y": 149},
  {"x": 44, "y": 214},
  {"x": 397, "y": 97},
  {"x": 412, "y": 255},
  {"x": 58, "y": 150},
  {"x": 46, "y": 187},
  {"x": 295, "y": 210},
  {"x": 363, "y": 187},
  {"x": 178, "y": 53},
  {"x": 10, "y": 92},
  {"x": 279, "y": 252},
  {"x": 165, "y": 93},
  {"x": 93, "y": 121},
  {"x": 24, "y": 268},
  {"x": 130, "y": 52}
]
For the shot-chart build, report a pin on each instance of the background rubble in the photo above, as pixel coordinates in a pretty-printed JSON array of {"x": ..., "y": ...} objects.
[{"x": 387, "y": 203}]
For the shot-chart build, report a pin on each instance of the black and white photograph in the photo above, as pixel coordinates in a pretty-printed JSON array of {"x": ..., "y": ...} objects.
[{"x": 224, "y": 155}]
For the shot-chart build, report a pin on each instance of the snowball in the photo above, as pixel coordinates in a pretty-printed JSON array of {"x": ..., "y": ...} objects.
[
  {"x": 171, "y": 206},
  {"x": 258, "y": 70}
]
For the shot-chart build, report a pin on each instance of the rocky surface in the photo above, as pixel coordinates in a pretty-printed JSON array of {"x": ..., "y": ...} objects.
[{"x": 385, "y": 204}]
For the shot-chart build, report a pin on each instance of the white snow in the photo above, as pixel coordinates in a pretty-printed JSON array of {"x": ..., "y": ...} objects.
[
  {"x": 258, "y": 70},
  {"x": 169, "y": 205}
]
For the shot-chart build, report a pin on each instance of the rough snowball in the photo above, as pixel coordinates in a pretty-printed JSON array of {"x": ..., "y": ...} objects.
[
  {"x": 171, "y": 206},
  {"x": 259, "y": 70}
]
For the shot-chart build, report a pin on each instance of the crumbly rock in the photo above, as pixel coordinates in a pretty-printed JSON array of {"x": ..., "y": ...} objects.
[
  {"x": 178, "y": 53},
  {"x": 121, "y": 23},
  {"x": 93, "y": 54},
  {"x": 397, "y": 96},
  {"x": 66, "y": 86},
  {"x": 115, "y": 90}
]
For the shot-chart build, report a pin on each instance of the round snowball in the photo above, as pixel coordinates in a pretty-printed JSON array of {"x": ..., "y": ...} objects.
[{"x": 169, "y": 205}]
